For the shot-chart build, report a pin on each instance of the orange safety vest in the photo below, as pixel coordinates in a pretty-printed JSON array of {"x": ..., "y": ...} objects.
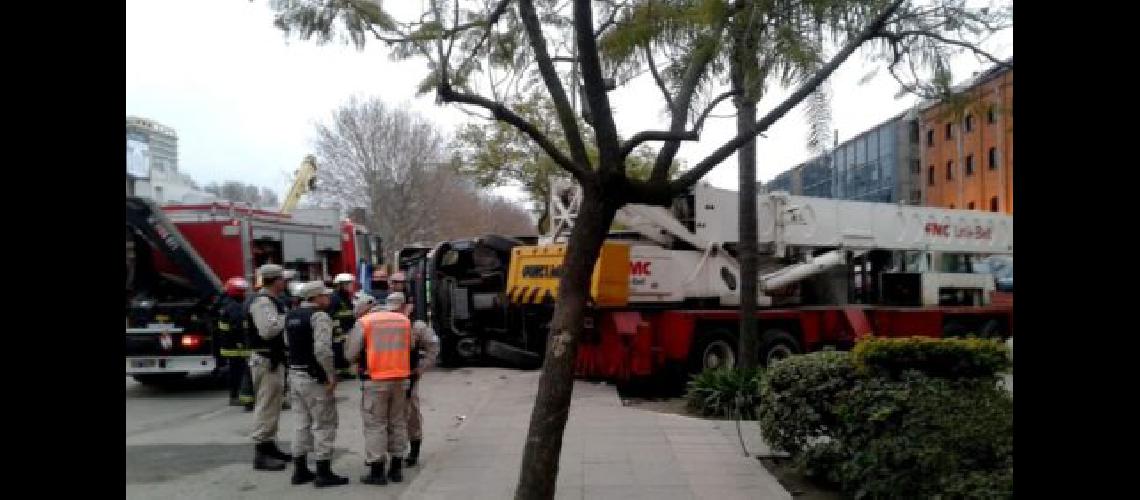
[{"x": 388, "y": 345}]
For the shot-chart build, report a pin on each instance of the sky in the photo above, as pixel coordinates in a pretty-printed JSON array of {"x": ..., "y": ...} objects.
[{"x": 245, "y": 101}]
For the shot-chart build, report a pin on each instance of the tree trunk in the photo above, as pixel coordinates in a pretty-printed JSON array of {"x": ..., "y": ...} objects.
[
  {"x": 539, "y": 469},
  {"x": 743, "y": 65}
]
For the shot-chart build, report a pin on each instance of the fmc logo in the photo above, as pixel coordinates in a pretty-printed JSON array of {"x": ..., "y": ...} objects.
[{"x": 640, "y": 268}]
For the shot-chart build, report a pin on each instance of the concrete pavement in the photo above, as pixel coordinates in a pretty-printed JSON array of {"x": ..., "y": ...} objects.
[{"x": 189, "y": 444}]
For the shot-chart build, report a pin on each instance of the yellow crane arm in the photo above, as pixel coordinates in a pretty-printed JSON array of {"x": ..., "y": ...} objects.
[{"x": 303, "y": 182}]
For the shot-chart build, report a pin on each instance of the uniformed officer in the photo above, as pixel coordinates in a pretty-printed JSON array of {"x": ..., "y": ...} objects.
[
  {"x": 231, "y": 330},
  {"x": 340, "y": 308},
  {"x": 425, "y": 349},
  {"x": 382, "y": 341},
  {"x": 266, "y": 314},
  {"x": 308, "y": 333}
]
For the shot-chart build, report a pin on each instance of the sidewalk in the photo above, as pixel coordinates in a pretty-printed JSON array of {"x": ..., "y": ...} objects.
[{"x": 609, "y": 451}]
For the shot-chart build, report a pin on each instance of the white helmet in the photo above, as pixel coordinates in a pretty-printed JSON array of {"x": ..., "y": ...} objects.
[{"x": 343, "y": 278}]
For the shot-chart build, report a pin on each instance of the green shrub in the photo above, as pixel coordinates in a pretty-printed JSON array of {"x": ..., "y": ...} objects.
[
  {"x": 896, "y": 418},
  {"x": 949, "y": 358},
  {"x": 919, "y": 436},
  {"x": 797, "y": 396},
  {"x": 719, "y": 393}
]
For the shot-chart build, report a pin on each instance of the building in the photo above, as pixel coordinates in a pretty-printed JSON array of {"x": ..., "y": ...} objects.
[
  {"x": 967, "y": 149},
  {"x": 152, "y": 165},
  {"x": 881, "y": 164}
]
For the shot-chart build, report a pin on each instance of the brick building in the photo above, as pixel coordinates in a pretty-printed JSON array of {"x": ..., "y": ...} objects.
[{"x": 967, "y": 145}]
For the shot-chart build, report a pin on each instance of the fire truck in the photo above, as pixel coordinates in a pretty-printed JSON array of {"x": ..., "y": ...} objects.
[
  {"x": 179, "y": 254},
  {"x": 665, "y": 290}
]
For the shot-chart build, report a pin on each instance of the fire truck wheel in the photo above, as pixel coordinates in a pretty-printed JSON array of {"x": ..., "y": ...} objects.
[
  {"x": 777, "y": 344},
  {"x": 714, "y": 349}
]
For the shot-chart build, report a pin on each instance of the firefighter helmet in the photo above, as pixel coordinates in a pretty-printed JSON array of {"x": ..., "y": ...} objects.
[
  {"x": 343, "y": 278},
  {"x": 236, "y": 287}
]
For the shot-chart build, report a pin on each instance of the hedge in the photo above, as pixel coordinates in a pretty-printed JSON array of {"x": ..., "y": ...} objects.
[
  {"x": 949, "y": 358},
  {"x": 896, "y": 418}
]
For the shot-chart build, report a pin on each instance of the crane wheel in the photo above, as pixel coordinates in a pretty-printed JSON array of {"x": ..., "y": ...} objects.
[
  {"x": 777, "y": 344},
  {"x": 714, "y": 349}
]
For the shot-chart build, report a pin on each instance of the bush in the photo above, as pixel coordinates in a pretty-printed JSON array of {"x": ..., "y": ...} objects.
[
  {"x": 718, "y": 392},
  {"x": 797, "y": 397},
  {"x": 896, "y": 418},
  {"x": 920, "y": 436},
  {"x": 949, "y": 358}
]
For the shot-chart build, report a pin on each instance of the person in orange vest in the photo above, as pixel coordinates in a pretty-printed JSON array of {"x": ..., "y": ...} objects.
[{"x": 382, "y": 340}]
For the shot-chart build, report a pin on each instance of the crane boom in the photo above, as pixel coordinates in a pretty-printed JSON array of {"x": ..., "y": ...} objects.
[{"x": 302, "y": 183}]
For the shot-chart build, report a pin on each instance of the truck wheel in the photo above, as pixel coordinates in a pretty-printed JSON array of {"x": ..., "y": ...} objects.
[
  {"x": 777, "y": 344},
  {"x": 159, "y": 379},
  {"x": 713, "y": 350}
]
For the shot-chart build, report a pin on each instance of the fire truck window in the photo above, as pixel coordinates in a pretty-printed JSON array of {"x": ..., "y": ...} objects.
[{"x": 485, "y": 258}]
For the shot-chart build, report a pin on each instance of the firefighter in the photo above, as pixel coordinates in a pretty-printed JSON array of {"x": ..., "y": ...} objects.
[
  {"x": 231, "y": 323},
  {"x": 381, "y": 341},
  {"x": 308, "y": 333},
  {"x": 266, "y": 315},
  {"x": 340, "y": 308}
]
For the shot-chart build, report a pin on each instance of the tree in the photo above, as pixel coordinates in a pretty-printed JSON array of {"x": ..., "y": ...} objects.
[
  {"x": 240, "y": 192},
  {"x": 498, "y": 154},
  {"x": 751, "y": 50},
  {"x": 513, "y": 38},
  {"x": 395, "y": 164}
]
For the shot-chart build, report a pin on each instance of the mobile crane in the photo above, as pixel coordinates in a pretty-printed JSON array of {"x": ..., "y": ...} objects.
[{"x": 664, "y": 294}]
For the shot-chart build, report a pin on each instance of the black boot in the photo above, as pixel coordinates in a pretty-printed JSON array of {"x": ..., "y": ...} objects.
[
  {"x": 234, "y": 401},
  {"x": 325, "y": 476},
  {"x": 414, "y": 456},
  {"x": 273, "y": 451},
  {"x": 394, "y": 473},
  {"x": 301, "y": 472},
  {"x": 262, "y": 460},
  {"x": 375, "y": 474}
]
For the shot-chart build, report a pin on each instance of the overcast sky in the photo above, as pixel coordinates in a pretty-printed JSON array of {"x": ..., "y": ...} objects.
[{"x": 245, "y": 101}]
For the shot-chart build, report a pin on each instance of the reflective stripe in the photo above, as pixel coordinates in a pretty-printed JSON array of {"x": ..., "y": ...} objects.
[
  {"x": 223, "y": 326},
  {"x": 236, "y": 353}
]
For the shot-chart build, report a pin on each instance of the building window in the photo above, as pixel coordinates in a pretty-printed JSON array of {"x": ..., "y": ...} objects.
[
  {"x": 970, "y": 205},
  {"x": 951, "y": 206},
  {"x": 950, "y": 170},
  {"x": 915, "y": 167},
  {"x": 930, "y": 138},
  {"x": 993, "y": 204},
  {"x": 949, "y": 133},
  {"x": 993, "y": 158},
  {"x": 930, "y": 181},
  {"x": 990, "y": 113},
  {"x": 916, "y": 196},
  {"x": 913, "y": 131},
  {"x": 969, "y": 123},
  {"x": 969, "y": 165}
]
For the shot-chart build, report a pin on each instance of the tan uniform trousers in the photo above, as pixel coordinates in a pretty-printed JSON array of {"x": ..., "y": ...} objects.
[
  {"x": 415, "y": 418},
  {"x": 269, "y": 386},
  {"x": 315, "y": 409},
  {"x": 385, "y": 418}
]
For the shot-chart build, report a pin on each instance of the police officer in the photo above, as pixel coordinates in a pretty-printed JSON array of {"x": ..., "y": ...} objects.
[
  {"x": 231, "y": 330},
  {"x": 382, "y": 340},
  {"x": 380, "y": 284},
  {"x": 308, "y": 333},
  {"x": 340, "y": 308},
  {"x": 266, "y": 314},
  {"x": 425, "y": 349}
]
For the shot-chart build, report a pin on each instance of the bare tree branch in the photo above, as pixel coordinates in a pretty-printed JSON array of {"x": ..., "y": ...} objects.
[
  {"x": 708, "y": 109},
  {"x": 590, "y": 64},
  {"x": 502, "y": 113},
  {"x": 657, "y": 78},
  {"x": 656, "y": 135},
  {"x": 948, "y": 41},
  {"x": 873, "y": 29},
  {"x": 553, "y": 83}
]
